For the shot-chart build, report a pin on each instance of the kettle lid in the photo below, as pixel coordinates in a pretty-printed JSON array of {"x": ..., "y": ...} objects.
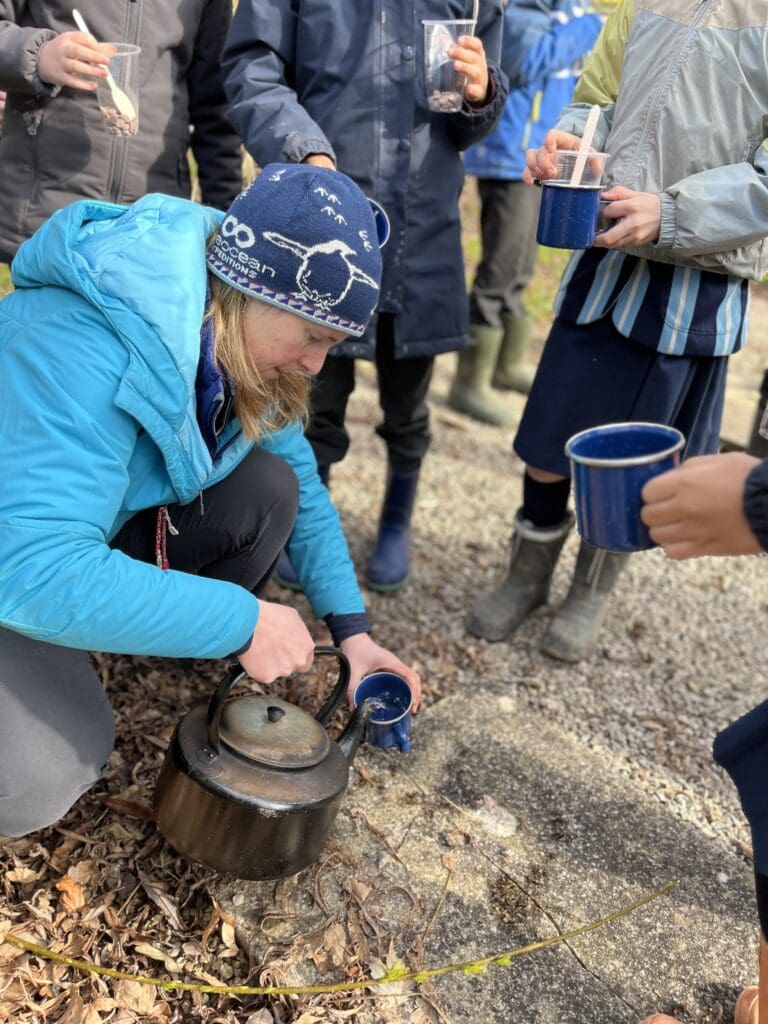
[{"x": 273, "y": 732}]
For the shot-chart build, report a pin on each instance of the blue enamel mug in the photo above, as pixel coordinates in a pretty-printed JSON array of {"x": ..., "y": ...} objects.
[
  {"x": 390, "y": 723},
  {"x": 568, "y": 215},
  {"x": 610, "y": 465}
]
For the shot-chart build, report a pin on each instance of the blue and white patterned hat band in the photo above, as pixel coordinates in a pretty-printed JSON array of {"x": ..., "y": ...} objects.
[{"x": 306, "y": 239}]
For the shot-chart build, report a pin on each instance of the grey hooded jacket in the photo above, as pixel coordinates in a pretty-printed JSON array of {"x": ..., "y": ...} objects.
[
  {"x": 54, "y": 148},
  {"x": 683, "y": 87}
]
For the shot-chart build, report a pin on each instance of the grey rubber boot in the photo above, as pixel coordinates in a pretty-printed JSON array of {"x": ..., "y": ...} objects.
[
  {"x": 512, "y": 371},
  {"x": 471, "y": 391},
  {"x": 535, "y": 551},
  {"x": 573, "y": 631}
]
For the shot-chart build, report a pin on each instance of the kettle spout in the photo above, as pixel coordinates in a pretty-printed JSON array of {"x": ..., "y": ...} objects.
[{"x": 354, "y": 730}]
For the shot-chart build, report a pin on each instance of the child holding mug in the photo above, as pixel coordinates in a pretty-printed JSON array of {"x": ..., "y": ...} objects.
[{"x": 646, "y": 319}]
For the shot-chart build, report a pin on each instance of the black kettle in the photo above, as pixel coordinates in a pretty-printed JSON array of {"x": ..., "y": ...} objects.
[{"x": 251, "y": 786}]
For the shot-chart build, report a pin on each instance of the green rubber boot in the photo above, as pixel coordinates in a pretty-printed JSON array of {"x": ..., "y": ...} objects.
[
  {"x": 512, "y": 372},
  {"x": 573, "y": 631},
  {"x": 471, "y": 391},
  {"x": 535, "y": 551}
]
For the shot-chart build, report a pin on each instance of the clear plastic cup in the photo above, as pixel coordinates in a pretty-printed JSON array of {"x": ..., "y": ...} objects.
[
  {"x": 445, "y": 85},
  {"x": 118, "y": 93},
  {"x": 565, "y": 164}
]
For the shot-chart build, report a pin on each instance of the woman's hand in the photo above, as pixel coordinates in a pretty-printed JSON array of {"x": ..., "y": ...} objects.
[
  {"x": 281, "y": 644},
  {"x": 468, "y": 58},
  {"x": 697, "y": 509},
  {"x": 365, "y": 657},
  {"x": 638, "y": 216},
  {"x": 66, "y": 58},
  {"x": 540, "y": 163}
]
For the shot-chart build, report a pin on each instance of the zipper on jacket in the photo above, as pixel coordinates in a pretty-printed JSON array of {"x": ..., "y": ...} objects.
[
  {"x": 34, "y": 149},
  {"x": 118, "y": 158},
  {"x": 698, "y": 17}
]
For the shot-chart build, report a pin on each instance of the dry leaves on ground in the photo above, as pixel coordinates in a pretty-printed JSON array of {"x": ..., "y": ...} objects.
[{"x": 103, "y": 886}]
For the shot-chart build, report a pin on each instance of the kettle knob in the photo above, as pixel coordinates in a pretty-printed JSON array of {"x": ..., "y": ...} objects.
[{"x": 274, "y": 713}]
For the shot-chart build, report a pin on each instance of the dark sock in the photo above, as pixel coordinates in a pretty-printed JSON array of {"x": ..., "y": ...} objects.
[{"x": 544, "y": 504}]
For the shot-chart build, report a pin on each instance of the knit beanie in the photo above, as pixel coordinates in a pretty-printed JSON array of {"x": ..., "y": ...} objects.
[{"x": 305, "y": 239}]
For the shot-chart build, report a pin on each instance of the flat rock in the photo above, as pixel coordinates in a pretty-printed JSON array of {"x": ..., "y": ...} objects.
[{"x": 534, "y": 835}]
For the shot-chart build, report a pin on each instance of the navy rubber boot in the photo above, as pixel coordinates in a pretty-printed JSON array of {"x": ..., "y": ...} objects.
[
  {"x": 388, "y": 565},
  {"x": 284, "y": 571}
]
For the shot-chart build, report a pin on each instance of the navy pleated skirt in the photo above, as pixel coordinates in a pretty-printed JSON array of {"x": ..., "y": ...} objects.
[{"x": 590, "y": 375}]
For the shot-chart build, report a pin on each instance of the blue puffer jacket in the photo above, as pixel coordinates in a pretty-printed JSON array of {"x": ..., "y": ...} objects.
[
  {"x": 346, "y": 79},
  {"x": 543, "y": 41},
  {"x": 99, "y": 347}
]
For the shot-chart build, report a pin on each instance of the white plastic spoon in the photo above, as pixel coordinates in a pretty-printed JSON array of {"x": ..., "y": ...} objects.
[
  {"x": 586, "y": 142},
  {"x": 122, "y": 101}
]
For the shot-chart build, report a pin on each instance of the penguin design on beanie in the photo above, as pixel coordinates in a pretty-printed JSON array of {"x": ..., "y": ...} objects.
[{"x": 326, "y": 272}]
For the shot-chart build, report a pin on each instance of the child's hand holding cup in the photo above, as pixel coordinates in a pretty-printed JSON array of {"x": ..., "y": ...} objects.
[{"x": 445, "y": 85}]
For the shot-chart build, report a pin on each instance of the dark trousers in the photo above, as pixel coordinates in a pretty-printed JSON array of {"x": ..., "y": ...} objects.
[
  {"x": 508, "y": 219},
  {"x": 403, "y": 387},
  {"x": 56, "y": 724}
]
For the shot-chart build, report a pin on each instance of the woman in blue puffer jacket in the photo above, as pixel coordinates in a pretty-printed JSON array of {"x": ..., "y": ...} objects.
[
  {"x": 152, "y": 458},
  {"x": 542, "y": 44}
]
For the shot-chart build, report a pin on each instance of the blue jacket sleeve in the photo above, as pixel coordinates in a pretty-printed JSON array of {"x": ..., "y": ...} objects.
[
  {"x": 317, "y": 547},
  {"x": 258, "y": 64},
  {"x": 473, "y": 123},
  {"x": 536, "y": 54}
]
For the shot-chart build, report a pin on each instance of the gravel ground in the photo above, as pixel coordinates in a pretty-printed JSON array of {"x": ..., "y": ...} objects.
[{"x": 681, "y": 655}]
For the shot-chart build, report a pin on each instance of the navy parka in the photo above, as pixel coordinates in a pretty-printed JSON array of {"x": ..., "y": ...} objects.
[{"x": 346, "y": 79}]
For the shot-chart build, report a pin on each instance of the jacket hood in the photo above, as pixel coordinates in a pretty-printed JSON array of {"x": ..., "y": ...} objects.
[
  {"x": 143, "y": 267},
  {"x": 143, "y": 270}
]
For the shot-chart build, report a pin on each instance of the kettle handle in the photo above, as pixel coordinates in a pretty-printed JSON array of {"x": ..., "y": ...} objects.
[
  {"x": 233, "y": 677},
  {"x": 340, "y": 688}
]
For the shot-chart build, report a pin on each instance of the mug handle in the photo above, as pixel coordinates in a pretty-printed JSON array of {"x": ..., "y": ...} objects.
[
  {"x": 235, "y": 674},
  {"x": 403, "y": 739}
]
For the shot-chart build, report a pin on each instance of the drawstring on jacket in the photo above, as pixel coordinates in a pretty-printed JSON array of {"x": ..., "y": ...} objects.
[{"x": 162, "y": 527}]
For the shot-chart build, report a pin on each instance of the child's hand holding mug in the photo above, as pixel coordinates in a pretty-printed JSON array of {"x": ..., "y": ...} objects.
[
  {"x": 637, "y": 216},
  {"x": 540, "y": 163},
  {"x": 697, "y": 509}
]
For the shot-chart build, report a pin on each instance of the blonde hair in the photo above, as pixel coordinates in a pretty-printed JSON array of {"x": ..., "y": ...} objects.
[{"x": 262, "y": 406}]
